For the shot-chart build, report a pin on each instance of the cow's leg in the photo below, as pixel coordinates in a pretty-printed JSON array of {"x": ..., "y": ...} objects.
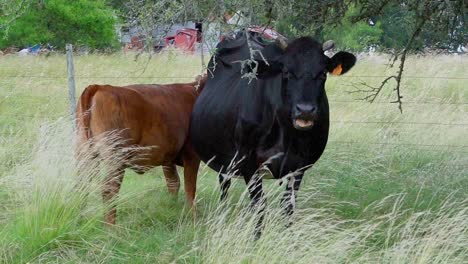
[
  {"x": 255, "y": 189},
  {"x": 257, "y": 201},
  {"x": 110, "y": 190},
  {"x": 289, "y": 197},
  {"x": 225, "y": 183},
  {"x": 172, "y": 178}
]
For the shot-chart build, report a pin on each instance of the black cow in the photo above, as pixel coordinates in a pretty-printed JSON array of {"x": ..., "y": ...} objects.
[{"x": 278, "y": 121}]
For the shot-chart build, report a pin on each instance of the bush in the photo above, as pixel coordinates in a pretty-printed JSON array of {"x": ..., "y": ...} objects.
[
  {"x": 354, "y": 36},
  {"x": 82, "y": 23}
]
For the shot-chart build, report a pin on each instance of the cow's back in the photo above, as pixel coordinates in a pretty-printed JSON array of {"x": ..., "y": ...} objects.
[{"x": 153, "y": 118}]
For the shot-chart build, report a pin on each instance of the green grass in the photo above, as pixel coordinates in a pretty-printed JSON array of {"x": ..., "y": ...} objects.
[{"x": 403, "y": 201}]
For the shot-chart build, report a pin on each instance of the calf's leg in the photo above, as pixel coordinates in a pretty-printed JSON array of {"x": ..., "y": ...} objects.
[
  {"x": 172, "y": 178},
  {"x": 191, "y": 164},
  {"x": 110, "y": 190}
]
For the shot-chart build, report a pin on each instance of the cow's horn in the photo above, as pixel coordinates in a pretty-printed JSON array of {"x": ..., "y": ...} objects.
[
  {"x": 282, "y": 42},
  {"x": 329, "y": 44}
]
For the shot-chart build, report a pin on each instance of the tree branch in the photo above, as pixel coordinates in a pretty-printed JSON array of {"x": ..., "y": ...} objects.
[{"x": 373, "y": 92}]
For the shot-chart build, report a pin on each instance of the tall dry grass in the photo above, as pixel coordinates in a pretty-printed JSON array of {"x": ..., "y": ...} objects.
[
  {"x": 51, "y": 213},
  {"x": 359, "y": 204},
  {"x": 319, "y": 236},
  {"x": 53, "y": 198}
]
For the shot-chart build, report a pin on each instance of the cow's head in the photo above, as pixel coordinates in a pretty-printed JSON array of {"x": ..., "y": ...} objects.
[{"x": 304, "y": 68}]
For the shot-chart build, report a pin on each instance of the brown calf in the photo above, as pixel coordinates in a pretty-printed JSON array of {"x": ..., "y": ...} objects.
[{"x": 154, "y": 119}]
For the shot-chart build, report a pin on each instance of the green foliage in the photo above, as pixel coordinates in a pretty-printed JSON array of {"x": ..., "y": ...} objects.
[
  {"x": 27, "y": 31},
  {"x": 398, "y": 25},
  {"x": 442, "y": 37},
  {"x": 10, "y": 10},
  {"x": 346, "y": 34},
  {"x": 305, "y": 17},
  {"x": 354, "y": 36},
  {"x": 82, "y": 22}
]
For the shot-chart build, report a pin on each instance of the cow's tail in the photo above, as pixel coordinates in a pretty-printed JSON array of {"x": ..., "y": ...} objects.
[
  {"x": 84, "y": 150},
  {"x": 83, "y": 112}
]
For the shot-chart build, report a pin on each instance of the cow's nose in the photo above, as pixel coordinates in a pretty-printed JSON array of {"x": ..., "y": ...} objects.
[{"x": 306, "y": 108}]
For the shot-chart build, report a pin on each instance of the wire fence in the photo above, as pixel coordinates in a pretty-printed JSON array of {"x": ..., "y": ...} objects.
[
  {"x": 388, "y": 123},
  {"x": 443, "y": 148}
]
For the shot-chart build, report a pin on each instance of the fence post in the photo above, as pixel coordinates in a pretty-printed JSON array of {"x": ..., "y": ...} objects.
[{"x": 71, "y": 82}]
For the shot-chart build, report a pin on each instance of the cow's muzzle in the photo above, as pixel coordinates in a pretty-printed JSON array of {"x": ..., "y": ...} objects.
[{"x": 304, "y": 116}]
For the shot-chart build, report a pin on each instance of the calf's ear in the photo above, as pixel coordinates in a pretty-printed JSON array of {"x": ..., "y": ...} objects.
[{"x": 340, "y": 63}]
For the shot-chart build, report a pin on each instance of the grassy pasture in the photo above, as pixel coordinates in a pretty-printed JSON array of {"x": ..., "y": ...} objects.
[{"x": 390, "y": 187}]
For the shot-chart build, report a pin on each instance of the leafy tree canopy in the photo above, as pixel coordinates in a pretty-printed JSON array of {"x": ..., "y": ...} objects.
[{"x": 81, "y": 22}]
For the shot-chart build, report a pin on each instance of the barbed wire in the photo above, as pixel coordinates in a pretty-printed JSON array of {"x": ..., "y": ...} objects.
[
  {"x": 405, "y": 77},
  {"x": 456, "y": 148},
  {"x": 431, "y": 164},
  {"x": 398, "y": 144},
  {"x": 331, "y": 100},
  {"x": 191, "y": 77},
  {"x": 440, "y": 148},
  {"x": 332, "y": 121},
  {"x": 98, "y": 77},
  {"x": 358, "y": 101},
  {"x": 398, "y": 122},
  {"x": 413, "y": 146}
]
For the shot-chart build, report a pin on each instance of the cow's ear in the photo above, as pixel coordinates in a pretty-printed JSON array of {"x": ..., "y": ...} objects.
[
  {"x": 341, "y": 63},
  {"x": 273, "y": 68},
  {"x": 269, "y": 61}
]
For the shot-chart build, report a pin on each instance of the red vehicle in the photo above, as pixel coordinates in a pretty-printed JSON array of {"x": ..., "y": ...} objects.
[
  {"x": 267, "y": 32},
  {"x": 185, "y": 39}
]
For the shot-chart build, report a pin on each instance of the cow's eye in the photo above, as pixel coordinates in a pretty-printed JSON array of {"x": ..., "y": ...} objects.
[{"x": 323, "y": 75}]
